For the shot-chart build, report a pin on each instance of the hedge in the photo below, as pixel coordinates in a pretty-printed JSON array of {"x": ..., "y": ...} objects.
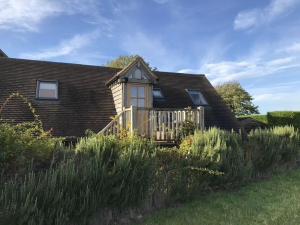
[
  {"x": 259, "y": 118},
  {"x": 277, "y": 118},
  {"x": 105, "y": 172},
  {"x": 282, "y": 118}
]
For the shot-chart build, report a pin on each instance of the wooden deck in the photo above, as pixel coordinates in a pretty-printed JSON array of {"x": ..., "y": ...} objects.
[{"x": 161, "y": 125}]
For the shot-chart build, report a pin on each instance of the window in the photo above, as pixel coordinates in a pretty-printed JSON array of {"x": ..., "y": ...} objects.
[
  {"x": 157, "y": 93},
  {"x": 47, "y": 90},
  {"x": 197, "y": 97},
  {"x": 137, "y": 74},
  {"x": 137, "y": 97}
]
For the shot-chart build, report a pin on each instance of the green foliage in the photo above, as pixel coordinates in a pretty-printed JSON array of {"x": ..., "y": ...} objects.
[
  {"x": 284, "y": 118},
  {"x": 260, "y": 118},
  {"x": 179, "y": 177},
  {"x": 237, "y": 98},
  {"x": 123, "y": 61},
  {"x": 26, "y": 101},
  {"x": 270, "y": 148},
  {"x": 280, "y": 118},
  {"x": 188, "y": 128},
  {"x": 24, "y": 143},
  {"x": 217, "y": 150},
  {"x": 105, "y": 172},
  {"x": 272, "y": 201},
  {"x": 121, "y": 172}
]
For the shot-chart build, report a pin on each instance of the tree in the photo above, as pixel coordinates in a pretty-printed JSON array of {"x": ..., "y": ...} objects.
[
  {"x": 123, "y": 61},
  {"x": 237, "y": 98}
]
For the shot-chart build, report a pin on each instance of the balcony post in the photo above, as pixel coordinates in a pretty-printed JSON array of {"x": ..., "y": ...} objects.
[
  {"x": 133, "y": 119},
  {"x": 201, "y": 117}
]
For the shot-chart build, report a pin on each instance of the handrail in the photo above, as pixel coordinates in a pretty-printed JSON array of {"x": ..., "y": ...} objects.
[
  {"x": 159, "y": 124},
  {"x": 111, "y": 124}
]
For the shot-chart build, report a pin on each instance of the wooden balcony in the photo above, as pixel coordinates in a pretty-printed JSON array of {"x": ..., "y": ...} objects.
[{"x": 157, "y": 124}]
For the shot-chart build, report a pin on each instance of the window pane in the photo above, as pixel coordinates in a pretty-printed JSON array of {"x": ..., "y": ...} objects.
[
  {"x": 48, "y": 86},
  {"x": 47, "y": 94},
  {"x": 141, "y": 102},
  {"x": 47, "y": 90},
  {"x": 141, "y": 92},
  {"x": 134, "y": 92},
  {"x": 202, "y": 99},
  {"x": 134, "y": 102},
  {"x": 157, "y": 93},
  {"x": 138, "y": 74},
  {"x": 197, "y": 98}
]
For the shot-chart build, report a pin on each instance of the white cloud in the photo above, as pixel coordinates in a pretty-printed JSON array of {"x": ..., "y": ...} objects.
[
  {"x": 256, "y": 17},
  {"x": 235, "y": 70},
  {"x": 65, "y": 48},
  {"x": 260, "y": 62},
  {"x": 277, "y": 96},
  {"x": 294, "y": 48},
  {"x": 26, "y": 15},
  {"x": 29, "y": 14}
]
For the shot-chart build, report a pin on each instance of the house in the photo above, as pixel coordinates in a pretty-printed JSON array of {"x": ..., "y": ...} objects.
[{"x": 71, "y": 98}]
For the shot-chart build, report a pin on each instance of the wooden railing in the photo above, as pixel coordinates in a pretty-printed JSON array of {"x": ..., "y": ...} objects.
[
  {"x": 118, "y": 123},
  {"x": 158, "y": 124},
  {"x": 166, "y": 124}
]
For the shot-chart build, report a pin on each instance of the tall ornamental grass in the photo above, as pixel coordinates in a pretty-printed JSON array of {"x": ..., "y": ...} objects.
[
  {"x": 271, "y": 148},
  {"x": 105, "y": 172},
  {"x": 111, "y": 172},
  {"x": 218, "y": 150}
]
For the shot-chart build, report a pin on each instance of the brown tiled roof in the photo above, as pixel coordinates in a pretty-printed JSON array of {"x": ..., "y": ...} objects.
[
  {"x": 174, "y": 88},
  {"x": 85, "y": 102}
]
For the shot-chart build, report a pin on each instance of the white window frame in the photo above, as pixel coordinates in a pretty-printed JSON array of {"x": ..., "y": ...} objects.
[{"x": 39, "y": 82}]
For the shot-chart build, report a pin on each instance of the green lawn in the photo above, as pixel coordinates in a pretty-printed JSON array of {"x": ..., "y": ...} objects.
[{"x": 276, "y": 201}]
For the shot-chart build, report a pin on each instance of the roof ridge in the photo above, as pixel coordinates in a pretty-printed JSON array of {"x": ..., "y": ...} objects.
[
  {"x": 117, "y": 70},
  {"x": 60, "y": 63},
  {"x": 2, "y": 53},
  {"x": 180, "y": 74}
]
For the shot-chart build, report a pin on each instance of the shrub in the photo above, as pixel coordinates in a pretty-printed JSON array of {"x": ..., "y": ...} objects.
[
  {"x": 98, "y": 176},
  {"x": 180, "y": 178},
  {"x": 290, "y": 143},
  {"x": 24, "y": 143},
  {"x": 271, "y": 147},
  {"x": 188, "y": 128},
  {"x": 284, "y": 118},
  {"x": 217, "y": 150},
  {"x": 105, "y": 147},
  {"x": 260, "y": 118}
]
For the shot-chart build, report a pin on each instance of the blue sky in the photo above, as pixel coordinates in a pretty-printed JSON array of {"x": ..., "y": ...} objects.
[{"x": 256, "y": 42}]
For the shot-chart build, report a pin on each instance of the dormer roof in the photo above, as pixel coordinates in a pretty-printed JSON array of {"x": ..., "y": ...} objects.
[{"x": 137, "y": 62}]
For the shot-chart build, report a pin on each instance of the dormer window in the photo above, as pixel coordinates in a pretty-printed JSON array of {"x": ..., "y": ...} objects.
[
  {"x": 47, "y": 90},
  {"x": 157, "y": 93},
  {"x": 197, "y": 97},
  {"x": 137, "y": 96},
  {"x": 137, "y": 74}
]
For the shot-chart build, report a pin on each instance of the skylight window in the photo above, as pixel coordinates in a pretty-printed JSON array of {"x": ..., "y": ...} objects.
[
  {"x": 47, "y": 90},
  {"x": 157, "y": 93},
  {"x": 197, "y": 97}
]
